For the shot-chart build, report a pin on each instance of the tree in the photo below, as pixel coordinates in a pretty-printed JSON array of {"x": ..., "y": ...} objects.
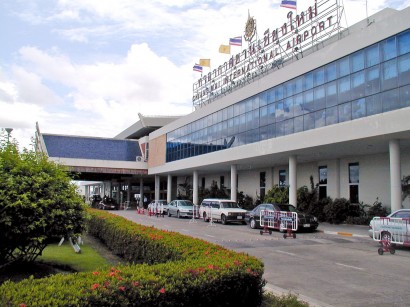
[{"x": 38, "y": 202}]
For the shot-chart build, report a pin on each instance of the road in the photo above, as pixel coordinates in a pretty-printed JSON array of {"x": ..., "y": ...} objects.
[{"x": 322, "y": 269}]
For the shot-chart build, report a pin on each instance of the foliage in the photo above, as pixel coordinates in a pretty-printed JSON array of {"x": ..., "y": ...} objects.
[
  {"x": 307, "y": 200},
  {"x": 377, "y": 209},
  {"x": 277, "y": 194},
  {"x": 214, "y": 192},
  {"x": 337, "y": 211},
  {"x": 245, "y": 201},
  {"x": 288, "y": 300},
  {"x": 178, "y": 271},
  {"x": 37, "y": 202},
  {"x": 405, "y": 187}
]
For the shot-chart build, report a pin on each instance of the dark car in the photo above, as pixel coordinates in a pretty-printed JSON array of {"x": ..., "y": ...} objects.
[
  {"x": 305, "y": 221},
  {"x": 108, "y": 203},
  {"x": 95, "y": 200}
]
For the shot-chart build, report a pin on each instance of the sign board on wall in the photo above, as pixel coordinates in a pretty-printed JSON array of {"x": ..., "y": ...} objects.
[{"x": 298, "y": 33}]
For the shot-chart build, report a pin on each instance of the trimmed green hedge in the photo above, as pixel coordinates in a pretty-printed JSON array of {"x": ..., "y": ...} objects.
[{"x": 177, "y": 270}]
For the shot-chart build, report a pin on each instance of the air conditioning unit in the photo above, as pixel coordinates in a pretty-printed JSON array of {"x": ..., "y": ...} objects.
[{"x": 139, "y": 159}]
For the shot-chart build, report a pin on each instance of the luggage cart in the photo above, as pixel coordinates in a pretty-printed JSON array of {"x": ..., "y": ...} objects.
[{"x": 389, "y": 232}]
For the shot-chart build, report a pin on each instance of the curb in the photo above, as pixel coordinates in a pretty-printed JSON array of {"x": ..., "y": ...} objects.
[{"x": 342, "y": 233}]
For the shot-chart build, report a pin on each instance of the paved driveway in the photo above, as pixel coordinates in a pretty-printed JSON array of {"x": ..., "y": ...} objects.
[{"x": 324, "y": 268}]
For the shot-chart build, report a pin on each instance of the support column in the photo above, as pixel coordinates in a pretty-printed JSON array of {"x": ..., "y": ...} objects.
[
  {"x": 157, "y": 185},
  {"x": 169, "y": 188},
  {"x": 141, "y": 204},
  {"x": 195, "y": 198},
  {"x": 337, "y": 179},
  {"x": 234, "y": 182},
  {"x": 128, "y": 190},
  {"x": 395, "y": 176},
  {"x": 292, "y": 181}
]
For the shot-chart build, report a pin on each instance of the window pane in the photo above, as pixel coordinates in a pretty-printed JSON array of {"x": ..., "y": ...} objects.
[
  {"x": 330, "y": 72},
  {"x": 354, "y": 194},
  {"x": 288, "y": 126},
  {"x": 405, "y": 96},
  {"x": 372, "y": 80},
  {"x": 298, "y": 85},
  {"x": 358, "y": 85},
  {"x": 373, "y": 105},
  {"x": 372, "y": 55},
  {"x": 280, "y": 128},
  {"x": 345, "y": 112},
  {"x": 308, "y": 101},
  {"x": 288, "y": 107},
  {"x": 279, "y": 112},
  {"x": 297, "y": 105},
  {"x": 309, "y": 121},
  {"x": 263, "y": 99},
  {"x": 404, "y": 69},
  {"x": 322, "y": 174},
  {"x": 278, "y": 92},
  {"x": 331, "y": 94},
  {"x": 320, "y": 118},
  {"x": 389, "y": 75},
  {"x": 344, "y": 66},
  {"x": 290, "y": 88},
  {"x": 282, "y": 177},
  {"x": 390, "y": 100},
  {"x": 331, "y": 116},
  {"x": 389, "y": 50},
  {"x": 308, "y": 81},
  {"x": 319, "y": 76},
  {"x": 298, "y": 124},
  {"x": 344, "y": 89},
  {"x": 404, "y": 42},
  {"x": 353, "y": 172},
  {"x": 357, "y": 61},
  {"x": 319, "y": 97},
  {"x": 358, "y": 108}
]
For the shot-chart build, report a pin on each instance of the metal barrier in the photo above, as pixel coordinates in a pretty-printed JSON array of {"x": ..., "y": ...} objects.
[
  {"x": 195, "y": 214},
  {"x": 390, "y": 231},
  {"x": 279, "y": 220}
]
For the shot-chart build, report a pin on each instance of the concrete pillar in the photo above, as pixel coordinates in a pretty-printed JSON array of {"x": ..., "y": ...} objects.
[
  {"x": 128, "y": 190},
  {"x": 195, "y": 187},
  {"x": 292, "y": 181},
  {"x": 141, "y": 192},
  {"x": 395, "y": 176},
  {"x": 169, "y": 188},
  {"x": 234, "y": 182},
  {"x": 337, "y": 179},
  {"x": 157, "y": 186}
]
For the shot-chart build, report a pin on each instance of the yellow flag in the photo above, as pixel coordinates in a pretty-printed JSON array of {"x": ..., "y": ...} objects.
[
  {"x": 205, "y": 62},
  {"x": 225, "y": 49}
]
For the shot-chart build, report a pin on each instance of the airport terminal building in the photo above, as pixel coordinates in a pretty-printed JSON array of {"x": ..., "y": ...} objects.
[{"x": 308, "y": 98}]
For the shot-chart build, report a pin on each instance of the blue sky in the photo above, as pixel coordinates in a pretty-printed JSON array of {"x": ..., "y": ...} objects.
[{"x": 88, "y": 67}]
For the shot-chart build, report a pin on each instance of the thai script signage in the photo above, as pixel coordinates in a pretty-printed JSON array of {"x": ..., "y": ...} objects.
[{"x": 298, "y": 33}]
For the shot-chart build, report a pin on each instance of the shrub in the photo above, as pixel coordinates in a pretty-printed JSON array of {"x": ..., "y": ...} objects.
[
  {"x": 337, "y": 211},
  {"x": 277, "y": 194},
  {"x": 178, "y": 271},
  {"x": 377, "y": 209},
  {"x": 37, "y": 202}
]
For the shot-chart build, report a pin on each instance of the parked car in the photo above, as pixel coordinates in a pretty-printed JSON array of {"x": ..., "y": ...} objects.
[
  {"x": 160, "y": 202},
  {"x": 224, "y": 210},
  {"x": 403, "y": 228},
  {"x": 181, "y": 208},
  {"x": 95, "y": 200},
  {"x": 305, "y": 221},
  {"x": 108, "y": 203}
]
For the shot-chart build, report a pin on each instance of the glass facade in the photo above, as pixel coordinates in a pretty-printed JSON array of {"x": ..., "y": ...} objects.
[{"x": 370, "y": 81}]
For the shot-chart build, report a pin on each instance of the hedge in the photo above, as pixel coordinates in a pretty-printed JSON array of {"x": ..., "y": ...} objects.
[{"x": 165, "y": 269}]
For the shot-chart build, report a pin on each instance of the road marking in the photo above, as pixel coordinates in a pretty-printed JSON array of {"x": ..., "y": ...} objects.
[
  {"x": 283, "y": 252},
  {"x": 350, "y": 266},
  {"x": 209, "y": 236}
]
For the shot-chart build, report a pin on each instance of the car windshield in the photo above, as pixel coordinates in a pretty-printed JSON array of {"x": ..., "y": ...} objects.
[
  {"x": 185, "y": 203},
  {"x": 230, "y": 204},
  {"x": 287, "y": 207}
]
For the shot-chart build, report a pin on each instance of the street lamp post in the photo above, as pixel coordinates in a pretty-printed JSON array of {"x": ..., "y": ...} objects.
[{"x": 9, "y": 130}]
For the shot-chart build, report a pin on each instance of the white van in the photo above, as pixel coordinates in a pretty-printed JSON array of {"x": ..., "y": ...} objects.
[{"x": 224, "y": 210}]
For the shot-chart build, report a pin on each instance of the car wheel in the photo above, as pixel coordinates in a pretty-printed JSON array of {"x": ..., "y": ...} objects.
[
  {"x": 178, "y": 216},
  {"x": 204, "y": 217},
  {"x": 223, "y": 219},
  {"x": 252, "y": 224}
]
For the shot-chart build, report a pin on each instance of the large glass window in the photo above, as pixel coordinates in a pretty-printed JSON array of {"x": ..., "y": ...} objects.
[
  {"x": 282, "y": 178},
  {"x": 370, "y": 81},
  {"x": 322, "y": 182}
]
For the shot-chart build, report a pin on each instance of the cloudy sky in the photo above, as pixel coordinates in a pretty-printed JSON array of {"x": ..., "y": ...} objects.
[{"x": 88, "y": 67}]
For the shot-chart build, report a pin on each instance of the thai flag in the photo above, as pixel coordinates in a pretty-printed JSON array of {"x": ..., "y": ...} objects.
[
  {"x": 236, "y": 41},
  {"x": 289, "y": 4},
  {"x": 197, "y": 68}
]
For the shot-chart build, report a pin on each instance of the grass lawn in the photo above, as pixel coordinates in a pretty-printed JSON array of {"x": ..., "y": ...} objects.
[{"x": 87, "y": 260}]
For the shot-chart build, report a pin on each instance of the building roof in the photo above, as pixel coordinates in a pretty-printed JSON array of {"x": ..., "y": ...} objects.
[
  {"x": 77, "y": 147},
  {"x": 145, "y": 126}
]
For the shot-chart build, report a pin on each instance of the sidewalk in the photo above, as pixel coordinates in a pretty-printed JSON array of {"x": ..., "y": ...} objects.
[{"x": 344, "y": 229}]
